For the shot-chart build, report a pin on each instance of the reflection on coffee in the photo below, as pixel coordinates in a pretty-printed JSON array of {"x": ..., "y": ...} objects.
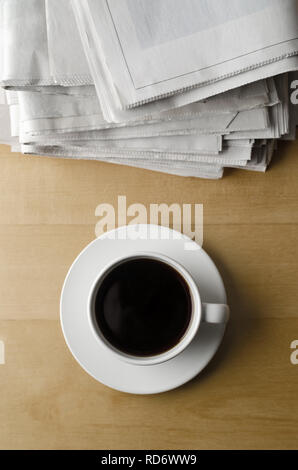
[{"x": 143, "y": 307}]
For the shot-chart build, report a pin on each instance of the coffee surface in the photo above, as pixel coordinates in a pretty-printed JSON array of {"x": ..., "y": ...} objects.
[{"x": 143, "y": 307}]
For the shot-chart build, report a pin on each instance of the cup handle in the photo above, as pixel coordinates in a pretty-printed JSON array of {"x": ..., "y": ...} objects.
[{"x": 215, "y": 313}]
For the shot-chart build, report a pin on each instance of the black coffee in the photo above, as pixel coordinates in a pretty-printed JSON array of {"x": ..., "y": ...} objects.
[{"x": 143, "y": 307}]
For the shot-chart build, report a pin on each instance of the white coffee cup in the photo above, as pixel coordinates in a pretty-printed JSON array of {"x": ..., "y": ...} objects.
[{"x": 200, "y": 312}]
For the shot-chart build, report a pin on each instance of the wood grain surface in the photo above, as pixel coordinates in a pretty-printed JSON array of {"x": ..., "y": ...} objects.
[{"x": 245, "y": 399}]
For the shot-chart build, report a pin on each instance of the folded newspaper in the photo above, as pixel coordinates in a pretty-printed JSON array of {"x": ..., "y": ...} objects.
[{"x": 186, "y": 87}]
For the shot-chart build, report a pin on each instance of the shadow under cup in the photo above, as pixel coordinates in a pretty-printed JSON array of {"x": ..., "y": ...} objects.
[{"x": 144, "y": 308}]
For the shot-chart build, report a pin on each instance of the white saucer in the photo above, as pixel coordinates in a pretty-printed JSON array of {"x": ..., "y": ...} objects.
[{"x": 104, "y": 366}]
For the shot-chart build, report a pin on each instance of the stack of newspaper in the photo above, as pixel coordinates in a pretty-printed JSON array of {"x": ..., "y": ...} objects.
[{"x": 187, "y": 87}]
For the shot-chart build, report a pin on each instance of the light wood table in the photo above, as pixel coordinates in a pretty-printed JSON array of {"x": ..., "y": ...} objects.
[{"x": 246, "y": 398}]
